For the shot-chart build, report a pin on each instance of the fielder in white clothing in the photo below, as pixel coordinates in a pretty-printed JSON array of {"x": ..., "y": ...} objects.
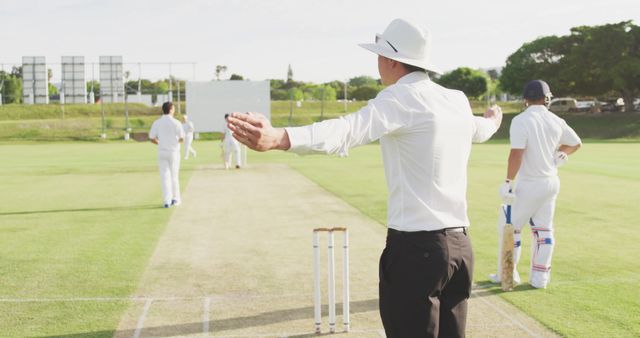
[
  {"x": 167, "y": 133},
  {"x": 189, "y": 129},
  {"x": 540, "y": 143},
  {"x": 230, "y": 145}
]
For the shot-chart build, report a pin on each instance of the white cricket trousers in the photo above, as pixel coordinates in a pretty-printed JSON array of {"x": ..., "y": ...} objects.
[
  {"x": 169, "y": 165},
  {"x": 231, "y": 147},
  {"x": 188, "y": 149},
  {"x": 535, "y": 205}
]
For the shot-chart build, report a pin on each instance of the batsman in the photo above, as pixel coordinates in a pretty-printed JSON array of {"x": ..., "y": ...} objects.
[{"x": 540, "y": 143}]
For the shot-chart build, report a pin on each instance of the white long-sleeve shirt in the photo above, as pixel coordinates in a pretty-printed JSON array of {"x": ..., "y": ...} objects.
[
  {"x": 168, "y": 131},
  {"x": 425, "y": 133}
]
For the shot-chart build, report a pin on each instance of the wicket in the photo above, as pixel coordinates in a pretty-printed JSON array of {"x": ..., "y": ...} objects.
[{"x": 331, "y": 283}]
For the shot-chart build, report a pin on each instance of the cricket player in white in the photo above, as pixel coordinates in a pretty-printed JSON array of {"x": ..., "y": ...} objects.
[
  {"x": 230, "y": 146},
  {"x": 540, "y": 143},
  {"x": 167, "y": 133},
  {"x": 189, "y": 129}
]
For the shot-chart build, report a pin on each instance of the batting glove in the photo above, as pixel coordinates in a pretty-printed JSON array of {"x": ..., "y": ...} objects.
[
  {"x": 507, "y": 192},
  {"x": 560, "y": 158}
]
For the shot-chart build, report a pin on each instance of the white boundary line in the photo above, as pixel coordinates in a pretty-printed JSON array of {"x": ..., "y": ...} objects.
[
  {"x": 505, "y": 315},
  {"x": 205, "y": 316},
  {"x": 143, "y": 316}
]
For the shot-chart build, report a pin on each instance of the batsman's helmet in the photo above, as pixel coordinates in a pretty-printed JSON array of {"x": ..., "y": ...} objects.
[{"x": 536, "y": 89}]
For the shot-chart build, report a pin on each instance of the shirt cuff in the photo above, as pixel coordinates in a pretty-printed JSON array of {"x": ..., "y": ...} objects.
[{"x": 299, "y": 139}]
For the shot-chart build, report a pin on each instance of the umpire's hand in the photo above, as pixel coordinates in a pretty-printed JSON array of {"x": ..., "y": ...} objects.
[{"x": 255, "y": 131}]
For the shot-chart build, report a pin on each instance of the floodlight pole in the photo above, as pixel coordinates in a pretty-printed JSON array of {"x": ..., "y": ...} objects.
[
  {"x": 92, "y": 96},
  {"x": 139, "y": 82},
  {"x": 345, "y": 96},
  {"x": 322, "y": 105},
  {"x": 126, "y": 114},
  {"x": 62, "y": 87},
  {"x": 179, "y": 104},
  {"x": 103, "y": 135},
  {"x": 170, "y": 84},
  {"x": 126, "y": 108},
  {"x": 290, "y": 106}
]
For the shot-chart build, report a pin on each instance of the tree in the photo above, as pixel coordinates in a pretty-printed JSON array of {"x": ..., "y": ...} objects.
[
  {"x": 338, "y": 87},
  {"x": 220, "y": 69},
  {"x": 53, "y": 90},
  {"x": 363, "y": 80},
  {"x": 96, "y": 88},
  {"x": 364, "y": 93},
  {"x": 295, "y": 94},
  {"x": 289, "y": 74},
  {"x": 11, "y": 87},
  {"x": 604, "y": 60},
  {"x": 592, "y": 60},
  {"x": 472, "y": 82},
  {"x": 236, "y": 77},
  {"x": 324, "y": 92},
  {"x": 539, "y": 59}
]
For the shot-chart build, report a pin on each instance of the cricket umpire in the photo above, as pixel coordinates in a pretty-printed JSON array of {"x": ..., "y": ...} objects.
[
  {"x": 540, "y": 143},
  {"x": 425, "y": 133}
]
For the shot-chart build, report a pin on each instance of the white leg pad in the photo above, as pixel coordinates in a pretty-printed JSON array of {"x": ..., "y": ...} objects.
[{"x": 543, "y": 243}]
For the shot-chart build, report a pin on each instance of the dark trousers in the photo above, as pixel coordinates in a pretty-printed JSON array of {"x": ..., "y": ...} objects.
[{"x": 425, "y": 281}]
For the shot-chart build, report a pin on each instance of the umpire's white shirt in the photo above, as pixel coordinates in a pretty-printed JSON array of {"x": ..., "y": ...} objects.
[
  {"x": 425, "y": 133},
  {"x": 168, "y": 131},
  {"x": 540, "y": 132}
]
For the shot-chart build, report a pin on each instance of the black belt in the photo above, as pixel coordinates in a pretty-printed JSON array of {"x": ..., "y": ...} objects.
[{"x": 439, "y": 231}]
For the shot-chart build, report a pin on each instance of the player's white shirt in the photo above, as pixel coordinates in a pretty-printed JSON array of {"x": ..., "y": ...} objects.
[
  {"x": 425, "y": 133},
  {"x": 168, "y": 131},
  {"x": 188, "y": 127},
  {"x": 540, "y": 132}
]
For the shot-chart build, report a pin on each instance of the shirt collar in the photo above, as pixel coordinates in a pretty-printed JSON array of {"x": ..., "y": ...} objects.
[
  {"x": 413, "y": 77},
  {"x": 536, "y": 108}
]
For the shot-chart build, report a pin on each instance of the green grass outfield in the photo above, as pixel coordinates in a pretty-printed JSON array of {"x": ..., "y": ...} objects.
[
  {"x": 76, "y": 220},
  {"x": 44, "y": 123},
  {"x": 82, "y": 219}
]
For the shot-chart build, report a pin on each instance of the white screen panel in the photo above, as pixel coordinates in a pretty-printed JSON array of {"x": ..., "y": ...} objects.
[{"x": 208, "y": 102}]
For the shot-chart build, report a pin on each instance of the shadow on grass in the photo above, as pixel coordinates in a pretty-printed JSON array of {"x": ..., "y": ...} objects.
[
  {"x": 488, "y": 288},
  {"x": 32, "y": 212},
  {"x": 220, "y": 325}
]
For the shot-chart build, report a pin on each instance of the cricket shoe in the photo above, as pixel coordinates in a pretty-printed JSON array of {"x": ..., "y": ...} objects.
[
  {"x": 495, "y": 279},
  {"x": 175, "y": 203},
  {"x": 166, "y": 205}
]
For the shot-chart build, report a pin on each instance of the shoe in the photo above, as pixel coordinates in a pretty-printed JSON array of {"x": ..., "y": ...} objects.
[
  {"x": 237, "y": 166},
  {"x": 175, "y": 203},
  {"x": 496, "y": 280},
  {"x": 165, "y": 206}
]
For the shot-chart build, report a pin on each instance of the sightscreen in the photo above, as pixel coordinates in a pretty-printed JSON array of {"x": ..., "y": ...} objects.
[{"x": 208, "y": 102}]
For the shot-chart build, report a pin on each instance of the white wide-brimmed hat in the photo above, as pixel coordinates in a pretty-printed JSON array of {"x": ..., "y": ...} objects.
[{"x": 404, "y": 42}]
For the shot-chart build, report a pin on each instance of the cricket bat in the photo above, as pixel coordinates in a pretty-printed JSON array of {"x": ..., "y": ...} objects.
[{"x": 506, "y": 255}]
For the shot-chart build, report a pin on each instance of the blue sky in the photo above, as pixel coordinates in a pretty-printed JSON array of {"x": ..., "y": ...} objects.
[{"x": 259, "y": 38}]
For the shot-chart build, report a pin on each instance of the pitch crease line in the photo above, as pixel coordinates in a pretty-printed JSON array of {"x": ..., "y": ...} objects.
[
  {"x": 143, "y": 316},
  {"x": 205, "y": 315}
]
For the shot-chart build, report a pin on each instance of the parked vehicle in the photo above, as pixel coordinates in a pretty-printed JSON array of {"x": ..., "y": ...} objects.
[
  {"x": 585, "y": 106},
  {"x": 563, "y": 105},
  {"x": 612, "y": 105}
]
